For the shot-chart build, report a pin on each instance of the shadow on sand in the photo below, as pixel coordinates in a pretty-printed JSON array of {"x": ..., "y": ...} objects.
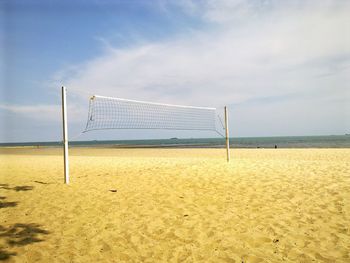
[
  {"x": 19, "y": 234},
  {"x": 17, "y": 188},
  {"x": 40, "y": 182},
  {"x": 4, "y": 204}
]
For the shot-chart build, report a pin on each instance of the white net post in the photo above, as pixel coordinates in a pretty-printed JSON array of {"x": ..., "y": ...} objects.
[
  {"x": 227, "y": 134},
  {"x": 65, "y": 136}
]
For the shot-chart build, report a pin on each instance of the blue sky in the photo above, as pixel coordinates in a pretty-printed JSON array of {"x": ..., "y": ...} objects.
[{"x": 283, "y": 67}]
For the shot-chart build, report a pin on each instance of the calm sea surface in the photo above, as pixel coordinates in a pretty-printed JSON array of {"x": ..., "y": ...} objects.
[{"x": 332, "y": 141}]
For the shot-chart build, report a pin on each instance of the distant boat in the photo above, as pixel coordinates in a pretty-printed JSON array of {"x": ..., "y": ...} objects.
[{"x": 174, "y": 138}]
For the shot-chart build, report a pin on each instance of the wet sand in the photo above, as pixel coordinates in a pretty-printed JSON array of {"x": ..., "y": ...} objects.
[{"x": 175, "y": 205}]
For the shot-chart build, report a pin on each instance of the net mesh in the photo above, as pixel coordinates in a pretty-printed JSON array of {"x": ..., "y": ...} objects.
[{"x": 115, "y": 113}]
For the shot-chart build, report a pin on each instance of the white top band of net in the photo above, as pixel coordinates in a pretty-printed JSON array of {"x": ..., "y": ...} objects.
[{"x": 116, "y": 113}]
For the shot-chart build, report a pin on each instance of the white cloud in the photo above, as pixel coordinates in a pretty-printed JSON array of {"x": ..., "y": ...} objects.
[
  {"x": 40, "y": 112},
  {"x": 44, "y": 113},
  {"x": 250, "y": 50}
]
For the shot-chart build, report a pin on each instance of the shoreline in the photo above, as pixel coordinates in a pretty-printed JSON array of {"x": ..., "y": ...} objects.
[
  {"x": 121, "y": 147},
  {"x": 290, "y": 142}
]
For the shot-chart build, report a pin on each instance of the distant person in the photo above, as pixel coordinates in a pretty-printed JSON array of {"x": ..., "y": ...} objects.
[{"x": 275, "y": 146}]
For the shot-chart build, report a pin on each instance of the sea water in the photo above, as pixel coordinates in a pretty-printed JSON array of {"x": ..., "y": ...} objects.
[{"x": 330, "y": 141}]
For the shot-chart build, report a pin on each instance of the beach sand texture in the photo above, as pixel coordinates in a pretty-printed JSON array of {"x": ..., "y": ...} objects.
[{"x": 175, "y": 205}]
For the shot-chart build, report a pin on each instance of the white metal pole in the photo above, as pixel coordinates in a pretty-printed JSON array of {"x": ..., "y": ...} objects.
[
  {"x": 65, "y": 136},
  {"x": 227, "y": 136}
]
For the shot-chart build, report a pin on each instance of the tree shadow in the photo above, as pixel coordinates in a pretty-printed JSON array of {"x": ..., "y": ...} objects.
[
  {"x": 4, "y": 255},
  {"x": 20, "y": 235},
  {"x": 6, "y": 204},
  {"x": 4, "y": 186},
  {"x": 23, "y": 188},
  {"x": 17, "y": 188}
]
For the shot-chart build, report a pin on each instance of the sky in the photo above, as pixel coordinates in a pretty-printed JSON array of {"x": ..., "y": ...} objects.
[{"x": 281, "y": 67}]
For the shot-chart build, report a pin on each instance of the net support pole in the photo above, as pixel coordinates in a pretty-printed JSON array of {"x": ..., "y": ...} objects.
[
  {"x": 65, "y": 136},
  {"x": 227, "y": 136}
]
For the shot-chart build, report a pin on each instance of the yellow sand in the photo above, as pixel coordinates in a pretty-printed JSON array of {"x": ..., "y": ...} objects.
[{"x": 175, "y": 205}]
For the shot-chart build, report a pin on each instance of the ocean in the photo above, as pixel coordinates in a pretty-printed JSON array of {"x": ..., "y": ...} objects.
[{"x": 330, "y": 141}]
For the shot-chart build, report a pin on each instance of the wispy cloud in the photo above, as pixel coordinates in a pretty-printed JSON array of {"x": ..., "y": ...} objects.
[
  {"x": 279, "y": 63},
  {"x": 270, "y": 52},
  {"x": 45, "y": 113},
  {"x": 40, "y": 112}
]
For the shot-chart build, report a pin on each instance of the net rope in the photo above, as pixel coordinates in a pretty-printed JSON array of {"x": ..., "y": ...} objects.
[{"x": 116, "y": 113}]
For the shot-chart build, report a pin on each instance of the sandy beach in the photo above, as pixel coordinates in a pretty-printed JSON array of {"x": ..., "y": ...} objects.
[{"x": 175, "y": 205}]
